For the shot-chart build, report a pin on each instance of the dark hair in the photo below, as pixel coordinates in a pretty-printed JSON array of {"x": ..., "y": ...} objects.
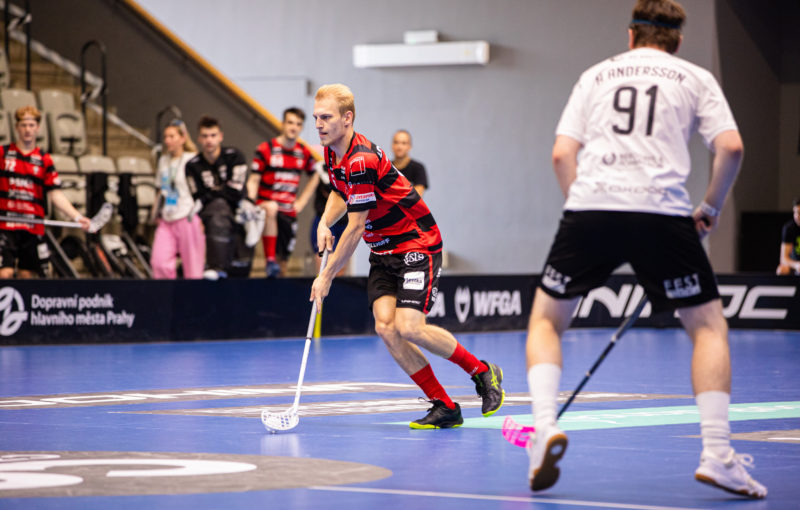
[
  {"x": 295, "y": 110},
  {"x": 208, "y": 122},
  {"x": 796, "y": 202},
  {"x": 657, "y": 22}
]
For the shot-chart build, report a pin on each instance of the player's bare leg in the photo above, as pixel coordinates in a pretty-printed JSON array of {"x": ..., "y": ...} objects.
[
  {"x": 445, "y": 413},
  {"x": 412, "y": 327},
  {"x": 407, "y": 355},
  {"x": 720, "y": 466},
  {"x": 550, "y": 318}
]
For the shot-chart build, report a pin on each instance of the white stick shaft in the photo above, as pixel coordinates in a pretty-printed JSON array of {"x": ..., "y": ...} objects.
[
  {"x": 39, "y": 221},
  {"x": 309, "y": 334}
]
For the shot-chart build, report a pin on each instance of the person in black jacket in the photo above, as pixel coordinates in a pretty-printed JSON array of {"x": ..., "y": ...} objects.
[{"x": 217, "y": 178}]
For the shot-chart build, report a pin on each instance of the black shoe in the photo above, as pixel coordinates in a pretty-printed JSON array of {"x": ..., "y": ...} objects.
[
  {"x": 439, "y": 417},
  {"x": 487, "y": 385}
]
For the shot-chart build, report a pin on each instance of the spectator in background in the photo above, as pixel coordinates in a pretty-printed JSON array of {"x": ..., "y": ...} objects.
[
  {"x": 179, "y": 231},
  {"x": 217, "y": 178},
  {"x": 321, "y": 195},
  {"x": 274, "y": 184},
  {"x": 790, "y": 243},
  {"x": 28, "y": 179},
  {"x": 412, "y": 169}
]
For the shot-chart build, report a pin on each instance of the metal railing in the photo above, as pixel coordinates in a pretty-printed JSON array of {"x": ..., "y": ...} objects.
[
  {"x": 23, "y": 18},
  {"x": 103, "y": 89}
]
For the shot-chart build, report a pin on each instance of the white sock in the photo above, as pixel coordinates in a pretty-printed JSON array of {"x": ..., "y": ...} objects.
[
  {"x": 543, "y": 379},
  {"x": 714, "y": 426}
]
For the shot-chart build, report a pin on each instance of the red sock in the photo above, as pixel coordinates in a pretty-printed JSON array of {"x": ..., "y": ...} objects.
[
  {"x": 431, "y": 387},
  {"x": 467, "y": 361},
  {"x": 269, "y": 246}
]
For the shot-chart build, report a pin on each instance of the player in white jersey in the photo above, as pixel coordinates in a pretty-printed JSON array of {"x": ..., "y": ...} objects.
[{"x": 621, "y": 159}]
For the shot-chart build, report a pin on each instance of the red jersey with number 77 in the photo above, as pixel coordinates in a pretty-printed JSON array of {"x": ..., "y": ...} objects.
[
  {"x": 398, "y": 220},
  {"x": 25, "y": 180}
]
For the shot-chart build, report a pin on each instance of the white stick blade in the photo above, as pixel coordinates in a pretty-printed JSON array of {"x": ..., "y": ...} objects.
[{"x": 274, "y": 422}]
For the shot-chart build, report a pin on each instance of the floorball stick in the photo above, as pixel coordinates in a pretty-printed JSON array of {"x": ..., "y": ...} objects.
[
  {"x": 286, "y": 420},
  {"x": 519, "y": 435},
  {"x": 97, "y": 222}
]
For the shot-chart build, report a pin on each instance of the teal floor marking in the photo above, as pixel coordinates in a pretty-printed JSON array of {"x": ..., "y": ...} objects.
[{"x": 643, "y": 417}]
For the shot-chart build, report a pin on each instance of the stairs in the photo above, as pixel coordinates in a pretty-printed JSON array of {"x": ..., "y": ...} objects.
[{"x": 46, "y": 75}]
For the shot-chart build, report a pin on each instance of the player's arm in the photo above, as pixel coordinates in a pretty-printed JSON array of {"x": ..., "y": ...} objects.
[
  {"x": 786, "y": 258},
  {"x": 335, "y": 208},
  {"x": 728, "y": 153},
  {"x": 421, "y": 184},
  {"x": 565, "y": 161},
  {"x": 62, "y": 203},
  {"x": 257, "y": 168},
  {"x": 252, "y": 185},
  {"x": 235, "y": 188},
  {"x": 356, "y": 224},
  {"x": 308, "y": 192}
]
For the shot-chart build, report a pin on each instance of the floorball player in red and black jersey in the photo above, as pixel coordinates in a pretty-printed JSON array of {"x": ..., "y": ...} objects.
[
  {"x": 27, "y": 180},
  {"x": 274, "y": 183},
  {"x": 405, "y": 263}
]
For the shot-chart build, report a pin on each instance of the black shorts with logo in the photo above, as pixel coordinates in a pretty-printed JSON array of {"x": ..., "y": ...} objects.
[
  {"x": 664, "y": 251},
  {"x": 413, "y": 278},
  {"x": 23, "y": 250}
]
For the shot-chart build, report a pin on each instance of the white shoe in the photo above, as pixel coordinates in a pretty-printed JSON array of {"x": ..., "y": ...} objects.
[
  {"x": 211, "y": 274},
  {"x": 545, "y": 449},
  {"x": 729, "y": 474}
]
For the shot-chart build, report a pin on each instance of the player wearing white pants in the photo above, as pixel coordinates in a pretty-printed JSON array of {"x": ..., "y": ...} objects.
[{"x": 621, "y": 158}]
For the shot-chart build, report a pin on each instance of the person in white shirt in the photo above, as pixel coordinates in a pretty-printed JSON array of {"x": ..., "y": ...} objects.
[
  {"x": 621, "y": 160},
  {"x": 180, "y": 230}
]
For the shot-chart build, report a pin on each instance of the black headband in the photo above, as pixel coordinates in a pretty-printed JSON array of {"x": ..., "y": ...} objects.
[{"x": 654, "y": 23}]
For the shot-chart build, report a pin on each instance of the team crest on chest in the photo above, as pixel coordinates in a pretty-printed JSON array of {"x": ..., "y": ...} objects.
[{"x": 357, "y": 166}]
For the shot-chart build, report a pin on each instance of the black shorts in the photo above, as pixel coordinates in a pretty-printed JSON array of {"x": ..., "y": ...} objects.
[
  {"x": 413, "y": 278},
  {"x": 287, "y": 232},
  {"x": 664, "y": 251},
  {"x": 23, "y": 250}
]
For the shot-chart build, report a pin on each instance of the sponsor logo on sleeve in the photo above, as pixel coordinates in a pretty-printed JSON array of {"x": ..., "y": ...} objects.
[{"x": 361, "y": 198}]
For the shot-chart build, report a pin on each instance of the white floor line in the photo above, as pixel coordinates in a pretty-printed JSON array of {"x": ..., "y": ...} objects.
[{"x": 461, "y": 495}]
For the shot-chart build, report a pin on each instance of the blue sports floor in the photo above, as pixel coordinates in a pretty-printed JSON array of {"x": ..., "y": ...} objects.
[{"x": 176, "y": 425}]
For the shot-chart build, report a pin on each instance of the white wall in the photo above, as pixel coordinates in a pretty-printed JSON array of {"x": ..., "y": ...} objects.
[{"x": 484, "y": 133}]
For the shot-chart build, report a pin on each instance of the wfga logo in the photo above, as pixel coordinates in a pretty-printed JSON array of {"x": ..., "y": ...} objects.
[
  {"x": 462, "y": 301},
  {"x": 13, "y": 309}
]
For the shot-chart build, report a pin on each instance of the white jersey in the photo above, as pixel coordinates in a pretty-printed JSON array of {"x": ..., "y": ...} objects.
[
  {"x": 634, "y": 114},
  {"x": 171, "y": 178}
]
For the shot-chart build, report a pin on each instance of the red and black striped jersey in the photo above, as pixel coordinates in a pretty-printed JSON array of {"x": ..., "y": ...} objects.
[
  {"x": 25, "y": 181},
  {"x": 398, "y": 220},
  {"x": 280, "y": 169}
]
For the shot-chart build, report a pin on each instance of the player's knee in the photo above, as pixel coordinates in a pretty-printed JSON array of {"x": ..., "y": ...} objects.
[
  {"x": 386, "y": 330},
  {"x": 271, "y": 208},
  {"x": 409, "y": 329}
]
